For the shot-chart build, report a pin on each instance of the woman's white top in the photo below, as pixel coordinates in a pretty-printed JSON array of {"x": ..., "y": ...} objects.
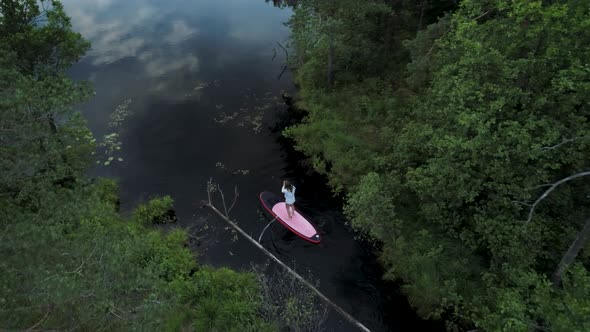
[{"x": 289, "y": 195}]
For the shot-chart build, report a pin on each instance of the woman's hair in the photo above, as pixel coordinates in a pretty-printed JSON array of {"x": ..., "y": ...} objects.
[{"x": 288, "y": 186}]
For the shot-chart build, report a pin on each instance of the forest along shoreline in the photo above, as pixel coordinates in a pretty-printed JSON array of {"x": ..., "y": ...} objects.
[
  {"x": 457, "y": 131},
  {"x": 465, "y": 124},
  {"x": 393, "y": 302},
  {"x": 69, "y": 259}
]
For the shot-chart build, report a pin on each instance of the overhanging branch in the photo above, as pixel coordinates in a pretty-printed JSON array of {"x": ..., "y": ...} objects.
[{"x": 553, "y": 186}]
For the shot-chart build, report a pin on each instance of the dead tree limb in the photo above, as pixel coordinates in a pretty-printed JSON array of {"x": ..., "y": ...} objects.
[
  {"x": 236, "y": 194},
  {"x": 286, "y": 53},
  {"x": 581, "y": 237},
  {"x": 548, "y": 191},
  {"x": 571, "y": 254},
  {"x": 223, "y": 201},
  {"x": 547, "y": 148},
  {"x": 209, "y": 203},
  {"x": 286, "y": 60},
  {"x": 282, "y": 72}
]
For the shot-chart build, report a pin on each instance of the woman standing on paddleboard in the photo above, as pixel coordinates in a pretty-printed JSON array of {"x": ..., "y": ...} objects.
[{"x": 289, "y": 192}]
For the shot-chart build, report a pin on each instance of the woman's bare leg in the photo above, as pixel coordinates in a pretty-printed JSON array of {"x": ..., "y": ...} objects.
[{"x": 288, "y": 211}]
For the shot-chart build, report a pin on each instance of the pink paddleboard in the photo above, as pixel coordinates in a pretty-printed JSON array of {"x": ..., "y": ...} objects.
[{"x": 297, "y": 224}]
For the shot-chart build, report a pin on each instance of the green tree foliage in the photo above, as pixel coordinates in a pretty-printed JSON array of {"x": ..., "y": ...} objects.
[
  {"x": 40, "y": 34},
  {"x": 74, "y": 263},
  {"x": 156, "y": 211},
  {"x": 68, "y": 260},
  {"x": 442, "y": 154}
]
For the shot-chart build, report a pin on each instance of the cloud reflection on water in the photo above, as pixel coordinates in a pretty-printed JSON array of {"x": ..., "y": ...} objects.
[
  {"x": 180, "y": 32},
  {"x": 158, "y": 45},
  {"x": 119, "y": 31}
]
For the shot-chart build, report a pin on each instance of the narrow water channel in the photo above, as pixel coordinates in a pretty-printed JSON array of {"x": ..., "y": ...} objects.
[{"x": 199, "y": 81}]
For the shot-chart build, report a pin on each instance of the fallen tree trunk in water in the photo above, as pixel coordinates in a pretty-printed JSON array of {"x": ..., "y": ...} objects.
[{"x": 209, "y": 203}]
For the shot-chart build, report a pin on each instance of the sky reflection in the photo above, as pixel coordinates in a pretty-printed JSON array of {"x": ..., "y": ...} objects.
[
  {"x": 122, "y": 29},
  {"x": 164, "y": 49}
]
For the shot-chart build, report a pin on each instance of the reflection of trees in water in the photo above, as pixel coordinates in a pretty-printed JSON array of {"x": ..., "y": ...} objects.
[{"x": 283, "y": 3}]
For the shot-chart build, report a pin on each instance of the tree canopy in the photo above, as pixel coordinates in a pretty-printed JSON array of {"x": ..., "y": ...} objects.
[
  {"x": 442, "y": 124},
  {"x": 69, "y": 260}
]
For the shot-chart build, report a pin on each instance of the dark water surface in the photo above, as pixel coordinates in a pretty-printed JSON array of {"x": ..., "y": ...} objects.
[{"x": 204, "y": 93}]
